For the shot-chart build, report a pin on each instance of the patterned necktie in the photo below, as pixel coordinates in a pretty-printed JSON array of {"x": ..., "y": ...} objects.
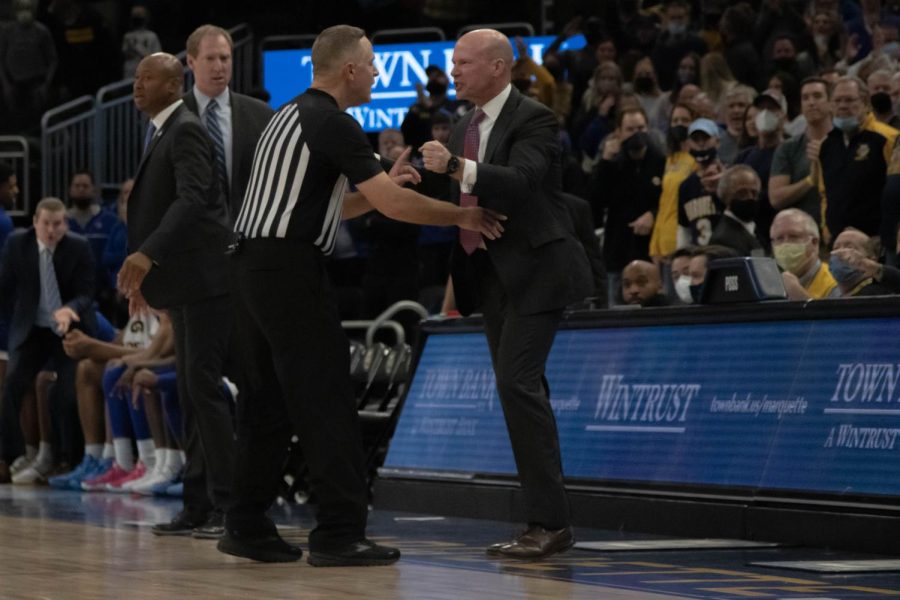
[
  {"x": 50, "y": 298},
  {"x": 148, "y": 137},
  {"x": 471, "y": 240},
  {"x": 215, "y": 133}
]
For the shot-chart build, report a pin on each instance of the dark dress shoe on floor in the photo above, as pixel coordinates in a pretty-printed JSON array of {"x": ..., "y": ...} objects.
[
  {"x": 536, "y": 542},
  {"x": 213, "y": 529},
  {"x": 268, "y": 547},
  {"x": 183, "y": 524},
  {"x": 357, "y": 554}
]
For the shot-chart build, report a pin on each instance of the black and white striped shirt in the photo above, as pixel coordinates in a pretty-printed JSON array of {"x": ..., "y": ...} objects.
[{"x": 303, "y": 160}]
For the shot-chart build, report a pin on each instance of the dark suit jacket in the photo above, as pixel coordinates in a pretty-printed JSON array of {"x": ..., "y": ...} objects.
[
  {"x": 540, "y": 264},
  {"x": 20, "y": 280},
  {"x": 581, "y": 219},
  {"x": 177, "y": 217},
  {"x": 249, "y": 117},
  {"x": 731, "y": 234}
]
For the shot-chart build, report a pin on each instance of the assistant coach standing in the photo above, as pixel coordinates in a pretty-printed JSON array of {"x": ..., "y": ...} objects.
[
  {"x": 506, "y": 157},
  {"x": 295, "y": 350},
  {"x": 234, "y": 121},
  {"x": 177, "y": 235}
]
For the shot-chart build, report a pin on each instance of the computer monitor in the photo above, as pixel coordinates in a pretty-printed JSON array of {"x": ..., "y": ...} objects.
[{"x": 745, "y": 279}]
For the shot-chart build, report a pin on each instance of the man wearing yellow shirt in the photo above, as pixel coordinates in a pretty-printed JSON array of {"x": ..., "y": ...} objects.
[{"x": 795, "y": 244}]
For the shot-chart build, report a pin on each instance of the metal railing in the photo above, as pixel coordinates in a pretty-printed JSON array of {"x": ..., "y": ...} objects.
[
  {"x": 14, "y": 152},
  {"x": 104, "y": 133},
  {"x": 67, "y": 144}
]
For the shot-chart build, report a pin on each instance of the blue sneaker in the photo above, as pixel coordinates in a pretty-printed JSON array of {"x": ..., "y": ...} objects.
[
  {"x": 100, "y": 466},
  {"x": 63, "y": 482},
  {"x": 176, "y": 490}
]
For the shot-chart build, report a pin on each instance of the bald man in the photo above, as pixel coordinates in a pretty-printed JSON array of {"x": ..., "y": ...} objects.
[
  {"x": 504, "y": 155},
  {"x": 642, "y": 284},
  {"x": 177, "y": 236}
]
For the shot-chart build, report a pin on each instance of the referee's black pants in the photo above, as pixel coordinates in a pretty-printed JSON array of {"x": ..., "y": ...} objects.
[{"x": 295, "y": 361}]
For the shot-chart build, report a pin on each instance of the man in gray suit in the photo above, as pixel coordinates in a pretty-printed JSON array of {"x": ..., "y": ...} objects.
[
  {"x": 234, "y": 119},
  {"x": 505, "y": 156},
  {"x": 177, "y": 236}
]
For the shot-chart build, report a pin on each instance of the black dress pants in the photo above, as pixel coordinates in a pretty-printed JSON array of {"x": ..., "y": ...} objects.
[
  {"x": 42, "y": 348},
  {"x": 296, "y": 376},
  {"x": 201, "y": 343},
  {"x": 519, "y": 346}
]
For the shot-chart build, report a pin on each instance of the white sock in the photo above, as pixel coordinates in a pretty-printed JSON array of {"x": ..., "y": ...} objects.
[
  {"x": 30, "y": 452},
  {"x": 108, "y": 450},
  {"x": 123, "y": 452},
  {"x": 174, "y": 460},
  {"x": 45, "y": 455},
  {"x": 146, "y": 450},
  {"x": 94, "y": 450},
  {"x": 161, "y": 456}
]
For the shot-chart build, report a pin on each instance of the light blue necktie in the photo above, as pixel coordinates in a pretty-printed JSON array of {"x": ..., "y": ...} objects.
[
  {"x": 215, "y": 133},
  {"x": 50, "y": 299}
]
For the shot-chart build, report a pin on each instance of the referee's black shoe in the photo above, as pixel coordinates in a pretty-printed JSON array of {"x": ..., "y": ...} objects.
[
  {"x": 267, "y": 547},
  {"x": 363, "y": 553},
  {"x": 182, "y": 524}
]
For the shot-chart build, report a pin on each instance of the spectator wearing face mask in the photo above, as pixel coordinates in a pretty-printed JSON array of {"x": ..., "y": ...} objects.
[
  {"x": 679, "y": 166},
  {"x": 769, "y": 123},
  {"x": 880, "y": 87},
  {"x": 675, "y": 41},
  {"x": 698, "y": 268},
  {"x": 855, "y": 267},
  {"x": 739, "y": 190},
  {"x": 625, "y": 195},
  {"x": 860, "y": 165},
  {"x": 416, "y": 126},
  {"x": 680, "y": 274},
  {"x": 699, "y": 207},
  {"x": 785, "y": 58},
  {"x": 645, "y": 85},
  {"x": 795, "y": 245}
]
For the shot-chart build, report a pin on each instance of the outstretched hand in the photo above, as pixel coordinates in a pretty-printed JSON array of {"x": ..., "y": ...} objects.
[
  {"x": 483, "y": 220},
  {"x": 402, "y": 172}
]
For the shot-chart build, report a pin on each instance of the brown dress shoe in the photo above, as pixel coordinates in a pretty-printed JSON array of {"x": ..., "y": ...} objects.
[
  {"x": 5, "y": 476},
  {"x": 536, "y": 542}
]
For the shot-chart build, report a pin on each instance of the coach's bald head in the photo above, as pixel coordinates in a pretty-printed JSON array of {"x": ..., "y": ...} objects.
[
  {"x": 482, "y": 65},
  {"x": 158, "y": 82}
]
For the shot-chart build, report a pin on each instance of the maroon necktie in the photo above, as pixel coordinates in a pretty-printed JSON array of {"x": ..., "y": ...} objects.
[{"x": 471, "y": 240}]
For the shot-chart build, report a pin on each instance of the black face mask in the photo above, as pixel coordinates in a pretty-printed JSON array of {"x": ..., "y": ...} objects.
[
  {"x": 138, "y": 22},
  {"x": 436, "y": 88},
  {"x": 677, "y": 135},
  {"x": 881, "y": 103},
  {"x": 637, "y": 142},
  {"x": 785, "y": 64},
  {"x": 745, "y": 210},
  {"x": 643, "y": 85},
  {"x": 705, "y": 156},
  {"x": 695, "y": 292}
]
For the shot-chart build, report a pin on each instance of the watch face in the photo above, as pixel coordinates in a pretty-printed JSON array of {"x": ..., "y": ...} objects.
[{"x": 452, "y": 165}]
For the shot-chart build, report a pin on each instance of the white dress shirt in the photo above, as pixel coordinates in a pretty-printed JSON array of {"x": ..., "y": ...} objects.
[{"x": 491, "y": 110}]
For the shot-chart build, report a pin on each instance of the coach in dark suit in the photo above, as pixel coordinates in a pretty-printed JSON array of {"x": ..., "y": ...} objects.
[
  {"x": 47, "y": 276},
  {"x": 177, "y": 235},
  {"x": 236, "y": 121},
  {"x": 739, "y": 190},
  {"x": 506, "y": 157}
]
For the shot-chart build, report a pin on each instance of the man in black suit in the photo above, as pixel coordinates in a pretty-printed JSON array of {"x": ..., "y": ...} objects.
[
  {"x": 236, "y": 120},
  {"x": 47, "y": 276},
  {"x": 177, "y": 235},
  {"x": 506, "y": 157},
  {"x": 739, "y": 190}
]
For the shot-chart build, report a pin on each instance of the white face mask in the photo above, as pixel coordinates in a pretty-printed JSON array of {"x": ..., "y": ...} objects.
[
  {"x": 767, "y": 121},
  {"x": 683, "y": 289}
]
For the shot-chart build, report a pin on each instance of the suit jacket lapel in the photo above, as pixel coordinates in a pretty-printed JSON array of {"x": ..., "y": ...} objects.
[
  {"x": 156, "y": 139},
  {"x": 501, "y": 127}
]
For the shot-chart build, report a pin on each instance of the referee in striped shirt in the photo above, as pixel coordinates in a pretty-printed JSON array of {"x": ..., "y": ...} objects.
[{"x": 292, "y": 345}]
